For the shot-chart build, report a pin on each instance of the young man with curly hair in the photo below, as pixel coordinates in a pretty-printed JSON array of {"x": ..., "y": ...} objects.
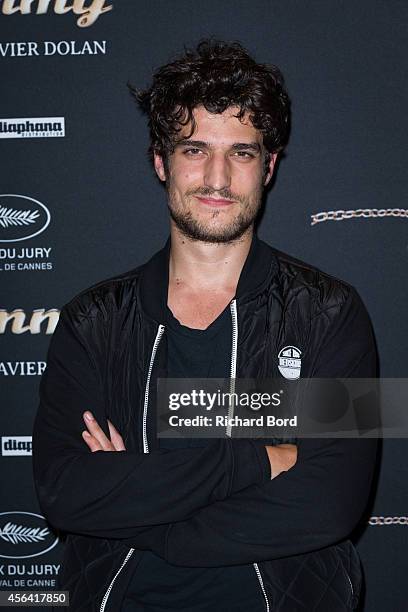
[{"x": 158, "y": 524}]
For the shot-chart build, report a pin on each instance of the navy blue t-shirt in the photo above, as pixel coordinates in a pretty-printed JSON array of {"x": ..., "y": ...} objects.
[{"x": 158, "y": 586}]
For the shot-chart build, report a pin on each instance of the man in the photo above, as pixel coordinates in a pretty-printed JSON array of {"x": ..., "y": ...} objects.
[{"x": 156, "y": 525}]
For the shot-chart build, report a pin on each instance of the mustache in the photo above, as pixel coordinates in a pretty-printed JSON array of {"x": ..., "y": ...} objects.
[{"x": 223, "y": 193}]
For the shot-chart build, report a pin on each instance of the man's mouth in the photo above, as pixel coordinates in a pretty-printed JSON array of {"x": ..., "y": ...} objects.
[{"x": 214, "y": 201}]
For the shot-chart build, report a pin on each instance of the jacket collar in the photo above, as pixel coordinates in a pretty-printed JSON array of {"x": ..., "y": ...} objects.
[{"x": 257, "y": 271}]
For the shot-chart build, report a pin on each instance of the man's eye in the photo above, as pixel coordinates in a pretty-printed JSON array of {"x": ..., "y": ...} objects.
[
  {"x": 244, "y": 154},
  {"x": 192, "y": 151}
]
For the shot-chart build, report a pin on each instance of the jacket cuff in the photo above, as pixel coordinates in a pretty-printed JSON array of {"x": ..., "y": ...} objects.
[
  {"x": 250, "y": 464},
  {"x": 152, "y": 538}
]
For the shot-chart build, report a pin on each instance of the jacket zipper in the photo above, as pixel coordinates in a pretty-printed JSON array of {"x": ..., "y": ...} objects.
[
  {"x": 159, "y": 334},
  {"x": 233, "y": 371},
  {"x": 233, "y": 375},
  {"x": 261, "y": 583},
  {"x": 108, "y": 592}
]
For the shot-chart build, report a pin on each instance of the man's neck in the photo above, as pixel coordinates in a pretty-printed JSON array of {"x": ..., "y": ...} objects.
[{"x": 203, "y": 266}]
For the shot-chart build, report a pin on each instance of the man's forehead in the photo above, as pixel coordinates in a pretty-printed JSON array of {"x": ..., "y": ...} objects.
[{"x": 221, "y": 126}]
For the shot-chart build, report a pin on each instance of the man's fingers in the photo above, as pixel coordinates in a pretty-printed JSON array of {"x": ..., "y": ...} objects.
[
  {"x": 97, "y": 432},
  {"x": 282, "y": 458},
  {"x": 116, "y": 438},
  {"x": 97, "y": 439},
  {"x": 91, "y": 442}
]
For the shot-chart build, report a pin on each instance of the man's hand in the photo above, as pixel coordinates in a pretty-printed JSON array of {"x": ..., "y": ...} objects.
[
  {"x": 281, "y": 457},
  {"x": 97, "y": 440}
]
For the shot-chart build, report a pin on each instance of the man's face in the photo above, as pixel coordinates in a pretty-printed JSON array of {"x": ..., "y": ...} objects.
[{"x": 215, "y": 179}]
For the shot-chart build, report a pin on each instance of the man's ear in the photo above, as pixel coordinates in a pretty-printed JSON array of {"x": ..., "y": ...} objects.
[
  {"x": 271, "y": 166},
  {"x": 159, "y": 166}
]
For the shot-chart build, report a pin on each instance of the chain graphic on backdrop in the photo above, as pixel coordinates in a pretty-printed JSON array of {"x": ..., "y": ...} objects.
[
  {"x": 367, "y": 213},
  {"x": 388, "y": 520}
]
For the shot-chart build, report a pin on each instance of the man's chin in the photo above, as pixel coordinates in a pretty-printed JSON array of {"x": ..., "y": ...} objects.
[
  {"x": 214, "y": 233},
  {"x": 223, "y": 236}
]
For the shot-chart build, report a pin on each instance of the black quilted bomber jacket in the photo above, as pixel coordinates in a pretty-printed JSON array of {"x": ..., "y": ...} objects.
[{"x": 208, "y": 506}]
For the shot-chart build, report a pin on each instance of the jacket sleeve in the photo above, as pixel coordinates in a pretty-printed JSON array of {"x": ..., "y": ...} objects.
[
  {"x": 315, "y": 504},
  {"x": 116, "y": 494}
]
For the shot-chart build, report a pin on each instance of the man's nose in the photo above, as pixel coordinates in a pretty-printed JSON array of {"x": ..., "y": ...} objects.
[{"x": 217, "y": 173}]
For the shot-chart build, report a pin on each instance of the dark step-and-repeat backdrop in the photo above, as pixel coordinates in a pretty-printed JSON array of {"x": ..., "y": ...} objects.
[{"x": 79, "y": 202}]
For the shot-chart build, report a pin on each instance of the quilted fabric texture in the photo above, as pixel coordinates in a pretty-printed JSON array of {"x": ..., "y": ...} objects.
[{"x": 327, "y": 580}]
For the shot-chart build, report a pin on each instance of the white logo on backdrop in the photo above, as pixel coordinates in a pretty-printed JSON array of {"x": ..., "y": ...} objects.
[
  {"x": 49, "y": 47},
  {"x": 21, "y": 217},
  {"x": 16, "y": 446},
  {"x": 24, "y": 535},
  {"x": 87, "y": 14},
  {"x": 16, "y": 321},
  {"x": 22, "y": 368},
  {"x": 32, "y": 127}
]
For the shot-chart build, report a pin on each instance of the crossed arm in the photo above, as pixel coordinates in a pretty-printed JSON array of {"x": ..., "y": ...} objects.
[
  {"x": 207, "y": 506},
  {"x": 281, "y": 457},
  {"x": 307, "y": 509}
]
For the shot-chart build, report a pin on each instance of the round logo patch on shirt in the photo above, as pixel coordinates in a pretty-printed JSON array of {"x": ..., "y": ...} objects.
[{"x": 289, "y": 362}]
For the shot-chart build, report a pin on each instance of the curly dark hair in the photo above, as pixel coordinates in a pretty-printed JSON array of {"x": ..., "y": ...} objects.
[{"x": 216, "y": 75}]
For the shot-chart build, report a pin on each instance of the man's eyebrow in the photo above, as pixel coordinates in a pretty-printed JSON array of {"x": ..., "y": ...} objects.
[
  {"x": 191, "y": 143},
  {"x": 251, "y": 146}
]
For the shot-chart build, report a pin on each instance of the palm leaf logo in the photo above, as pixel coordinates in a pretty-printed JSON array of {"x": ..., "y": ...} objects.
[
  {"x": 10, "y": 216},
  {"x": 15, "y": 534}
]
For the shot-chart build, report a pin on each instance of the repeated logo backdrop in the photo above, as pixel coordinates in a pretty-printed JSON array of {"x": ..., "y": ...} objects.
[{"x": 79, "y": 202}]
